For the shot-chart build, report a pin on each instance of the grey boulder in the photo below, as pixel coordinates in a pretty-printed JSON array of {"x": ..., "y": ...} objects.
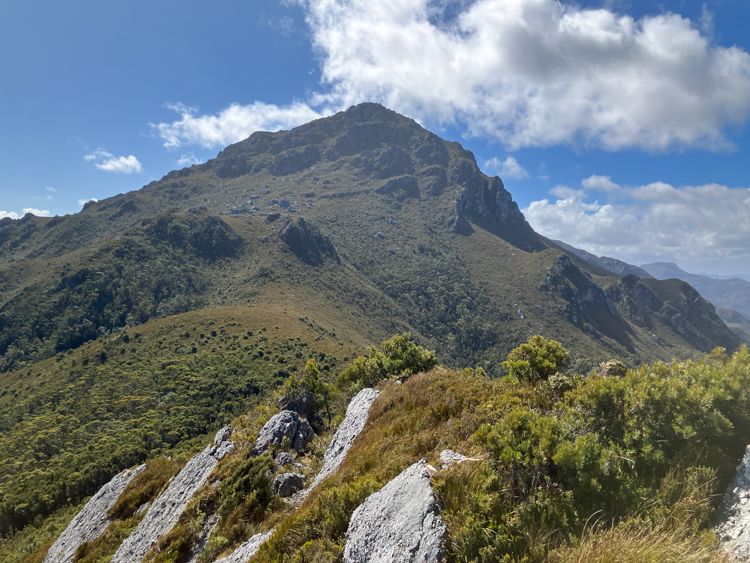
[
  {"x": 286, "y": 484},
  {"x": 399, "y": 523},
  {"x": 286, "y": 424}
]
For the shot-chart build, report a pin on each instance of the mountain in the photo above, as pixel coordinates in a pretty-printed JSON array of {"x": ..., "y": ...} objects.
[
  {"x": 148, "y": 320},
  {"x": 733, "y": 293},
  {"x": 401, "y": 231},
  {"x": 611, "y": 264}
]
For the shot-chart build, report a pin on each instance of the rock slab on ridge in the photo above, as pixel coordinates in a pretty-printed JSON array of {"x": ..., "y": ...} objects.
[
  {"x": 92, "y": 521},
  {"x": 163, "y": 514},
  {"x": 733, "y": 529},
  {"x": 356, "y": 417},
  {"x": 399, "y": 523},
  {"x": 245, "y": 551}
]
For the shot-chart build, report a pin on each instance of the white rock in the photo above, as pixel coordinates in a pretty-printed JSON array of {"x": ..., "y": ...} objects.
[{"x": 92, "y": 521}]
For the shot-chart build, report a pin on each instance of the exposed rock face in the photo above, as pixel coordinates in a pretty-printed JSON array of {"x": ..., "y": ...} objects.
[
  {"x": 486, "y": 200},
  {"x": 400, "y": 522},
  {"x": 306, "y": 241},
  {"x": 294, "y": 160},
  {"x": 354, "y": 422},
  {"x": 733, "y": 529},
  {"x": 449, "y": 457},
  {"x": 405, "y": 186},
  {"x": 245, "y": 551},
  {"x": 286, "y": 424},
  {"x": 286, "y": 484},
  {"x": 283, "y": 459},
  {"x": 303, "y": 404},
  {"x": 91, "y": 522},
  {"x": 163, "y": 514}
]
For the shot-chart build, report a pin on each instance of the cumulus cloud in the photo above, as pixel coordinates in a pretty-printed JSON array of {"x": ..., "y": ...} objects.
[
  {"x": 526, "y": 72},
  {"x": 508, "y": 168},
  {"x": 188, "y": 160},
  {"x": 600, "y": 183},
  {"x": 11, "y": 214},
  {"x": 37, "y": 212},
  {"x": 702, "y": 224},
  {"x": 232, "y": 124},
  {"x": 108, "y": 162}
]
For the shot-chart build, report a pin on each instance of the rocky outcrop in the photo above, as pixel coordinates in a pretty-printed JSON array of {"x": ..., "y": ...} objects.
[
  {"x": 200, "y": 544},
  {"x": 449, "y": 457},
  {"x": 733, "y": 529},
  {"x": 91, "y": 522},
  {"x": 302, "y": 403},
  {"x": 356, "y": 417},
  {"x": 286, "y": 484},
  {"x": 306, "y": 242},
  {"x": 486, "y": 200},
  {"x": 286, "y": 424},
  {"x": 401, "y": 522},
  {"x": 294, "y": 160},
  {"x": 402, "y": 186},
  {"x": 163, "y": 514},
  {"x": 245, "y": 551}
]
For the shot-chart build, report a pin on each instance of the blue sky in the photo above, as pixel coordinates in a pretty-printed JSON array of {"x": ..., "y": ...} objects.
[{"x": 618, "y": 126}]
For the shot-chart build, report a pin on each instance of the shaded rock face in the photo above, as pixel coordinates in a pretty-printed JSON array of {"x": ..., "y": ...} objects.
[
  {"x": 402, "y": 187},
  {"x": 163, "y": 514},
  {"x": 303, "y": 404},
  {"x": 733, "y": 529},
  {"x": 306, "y": 242},
  {"x": 400, "y": 522},
  {"x": 286, "y": 484},
  {"x": 355, "y": 420},
  {"x": 283, "y": 459},
  {"x": 247, "y": 550},
  {"x": 286, "y": 424},
  {"x": 92, "y": 521},
  {"x": 489, "y": 202},
  {"x": 294, "y": 160}
]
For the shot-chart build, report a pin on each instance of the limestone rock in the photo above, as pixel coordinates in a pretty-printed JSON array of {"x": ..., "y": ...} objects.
[
  {"x": 400, "y": 522},
  {"x": 286, "y": 484},
  {"x": 163, "y": 514},
  {"x": 286, "y": 424},
  {"x": 733, "y": 529},
  {"x": 92, "y": 521},
  {"x": 245, "y": 551},
  {"x": 356, "y": 417}
]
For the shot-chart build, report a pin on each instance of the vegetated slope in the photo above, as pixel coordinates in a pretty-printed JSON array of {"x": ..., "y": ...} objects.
[
  {"x": 643, "y": 450},
  {"x": 612, "y": 264},
  {"x": 401, "y": 231},
  {"x": 68, "y": 424},
  {"x": 733, "y": 293},
  {"x": 738, "y": 322}
]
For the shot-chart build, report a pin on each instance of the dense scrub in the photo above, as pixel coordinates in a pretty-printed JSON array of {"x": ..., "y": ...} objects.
[
  {"x": 565, "y": 457},
  {"x": 157, "y": 269},
  {"x": 125, "y": 398}
]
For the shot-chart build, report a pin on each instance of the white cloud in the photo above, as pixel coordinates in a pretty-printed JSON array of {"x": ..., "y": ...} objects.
[
  {"x": 600, "y": 183},
  {"x": 50, "y": 189},
  {"x": 188, "y": 160},
  {"x": 83, "y": 202},
  {"x": 11, "y": 214},
  {"x": 526, "y": 72},
  {"x": 565, "y": 192},
  {"x": 232, "y": 124},
  {"x": 703, "y": 224},
  {"x": 508, "y": 168},
  {"x": 37, "y": 212},
  {"x": 110, "y": 163}
]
